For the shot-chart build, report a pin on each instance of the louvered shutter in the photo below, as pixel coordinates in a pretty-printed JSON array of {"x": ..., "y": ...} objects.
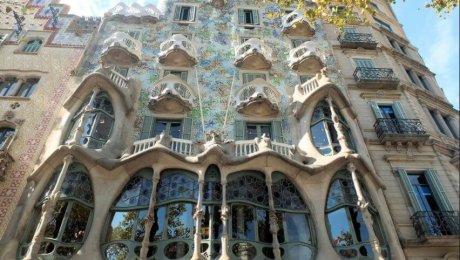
[
  {"x": 192, "y": 14},
  {"x": 183, "y": 75},
  {"x": 240, "y": 130},
  {"x": 241, "y": 16},
  {"x": 187, "y": 128},
  {"x": 277, "y": 131},
  {"x": 399, "y": 111},
  {"x": 177, "y": 13},
  {"x": 438, "y": 191},
  {"x": 376, "y": 110},
  {"x": 255, "y": 16},
  {"x": 147, "y": 128},
  {"x": 410, "y": 191}
]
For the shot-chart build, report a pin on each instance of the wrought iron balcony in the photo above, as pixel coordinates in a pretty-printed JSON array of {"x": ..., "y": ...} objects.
[
  {"x": 380, "y": 78},
  {"x": 400, "y": 130},
  {"x": 295, "y": 24},
  {"x": 356, "y": 40},
  {"x": 253, "y": 54},
  {"x": 121, "y": 49},
  {"x": 178, "y": 51},
  {"x": 436, "y": 223}
]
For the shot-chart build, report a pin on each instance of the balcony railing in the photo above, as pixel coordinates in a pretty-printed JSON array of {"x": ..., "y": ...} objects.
[
  {"x": 355, "y": 40},
  {"x": 123, "y": 41},
  {"x": 178, "y": 42},
  {"x": 375, "y": 77},
  {"x": 305, "y": 58},
  {"x": 393, "y": 129},
  {"x": 180, "y": 146},
  {"x": 293, "y": 23},
  {"x": 251, "y": 47},
  {"x": 116, "y": 78},
  {"x": 436, "y": 223},
  {"x": 166, "y": 93}
]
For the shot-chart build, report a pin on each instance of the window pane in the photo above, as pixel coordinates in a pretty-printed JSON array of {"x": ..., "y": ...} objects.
[
  {"x": 76, "y": 224},
  {"x": 207, "y": 214},
  {"x": 156, "y": 233},
  {"x": 160, "y": 127},
  {"x": 216, "y": 223},
  {"x": 319, "y": 135},
  {"x": 266, "y": 129},
  {"x": 243, "y": 224},
  {"x": 176, "y": 130},
  {"x": 122, "y": 226},
  {"x": 297, "y": 228},
  {"x": 340, "y": 228},
  {"x": 251, "y": 132},
  {"x": 103, "y": 126},
  {"x": 53, "y": 227},
  {"x": 263, "y": 226},
  {"x": 180, "y": 220},
  {"x": 359, "y": 225},
  {"x": 299, "y": 252},
  {"x": 140, "y": 227}
]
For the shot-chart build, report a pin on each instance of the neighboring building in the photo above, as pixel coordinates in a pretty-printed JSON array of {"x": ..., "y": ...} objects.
[{"x": 209, "y": 131}]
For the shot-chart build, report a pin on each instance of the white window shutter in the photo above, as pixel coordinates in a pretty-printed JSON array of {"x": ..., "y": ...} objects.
[
  {"x": 146, "y": 128},
  {"x": 255, "y": 16},
  {"x": 241, "y": 16},
  {"x": 399, "y": 111},
  {"x": 192, "y": 13},
  {"x": 438, "y": 191},
  {"x": 177, "y": 13},
  {"x": 277, "y": 131}
]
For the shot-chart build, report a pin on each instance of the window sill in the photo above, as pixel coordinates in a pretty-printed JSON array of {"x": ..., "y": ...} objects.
[
  {"x": 250, "y": 26},
  {"x": 25, "y": 53},
  {"x": 183, "y": 22},
  {"x": 14, "y": 98}
]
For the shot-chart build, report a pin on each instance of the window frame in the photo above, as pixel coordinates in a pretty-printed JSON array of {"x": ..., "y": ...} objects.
[
  {"x": 30, "y": 85},
  {"x": 193, "y": 12},
  {"x": 255, "y": 13},
  {"x": 31, "y": 46}
]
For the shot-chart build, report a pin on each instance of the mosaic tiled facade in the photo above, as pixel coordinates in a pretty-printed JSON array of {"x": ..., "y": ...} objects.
[{"x": 210, "y": 131}]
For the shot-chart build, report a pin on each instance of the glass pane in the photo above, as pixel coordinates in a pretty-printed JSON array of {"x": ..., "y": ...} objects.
[
  {"x": 102, "y": 102},
  {"x": 116, "y": 252},
  {"x": 340, "y": 229},
  {"x": 212, "y": 191},
  {"x": 103, "y": 126},
  {"x": 88, "y": 126},
  {"x": 180, "y": 220},
  {"x": 263, "y": 226},
  {"x": 248, "y": 187},
  {"x": 359, "y": 225},
  {"x": 286, "y": 196},
  {"x": 205, "y": 222},
  {"x": 266, "y": 129},
  {"x": 297, "y": 228},
  {"x": 176, "y": 250},
  {"x": 160, "y": 127},
  {"x": 76, "y": 224},
  {"x": 176, "y": 129},
  {"x": 122, "y": 226},
  {"x": 319, "y": 135},
  {"x": 53, "y": 227},
  {"x": 216, "y": 223},
  {"x": 243, "y": 222},
  {"x": 177, "y": 185},
  {"x": 298, "y": 252},
  {"x": 156, "y": 233},
  {"x": 140, "y": 227},
  {"x": 136, "y": 193},
  {"x": 244, "y": 251},
  {"x": 251, "y": 131}
]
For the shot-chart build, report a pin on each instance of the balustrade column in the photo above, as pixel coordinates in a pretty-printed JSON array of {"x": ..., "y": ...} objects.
[
  {"x": 363, "y": 207},
  {"x": 442, "y": 124},
  {"x": 198, "y": 216},
  {"x": 224, "y": 217},
  {"x": 150, "y": 218},
  {"x": 274, "y": 228},
  {"x": 81, "y": 124},
  {"x": 48, "y": 210},
  {"x": 338, "y": 128}
]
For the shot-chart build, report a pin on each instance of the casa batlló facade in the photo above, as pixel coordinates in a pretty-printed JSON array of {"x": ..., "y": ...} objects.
[{"x": 206, "y": 130}]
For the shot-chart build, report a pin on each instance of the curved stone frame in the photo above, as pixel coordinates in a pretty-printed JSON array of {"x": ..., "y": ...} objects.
[
  {"x": 359, "y": 199},
  {"x": 5, "y": 156},
  {"x": 40, "y": 207}
]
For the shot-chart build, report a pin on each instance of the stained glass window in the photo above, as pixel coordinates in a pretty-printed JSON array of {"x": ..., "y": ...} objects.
[{"x": 248, "y": 187}]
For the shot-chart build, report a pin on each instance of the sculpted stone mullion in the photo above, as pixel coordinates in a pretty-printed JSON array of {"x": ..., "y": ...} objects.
[
  {"x": 274, "y": 228},
  {"x": 47, "y": 210},
  {"x": 338, "y": 128},
  {"x": 198, "y": 216},
  {"x": 363, "y": 207},
  {"x": 150, "y": 219},
  {"x": 224, "y": 217},
  {"x": 85, "y": 116}
]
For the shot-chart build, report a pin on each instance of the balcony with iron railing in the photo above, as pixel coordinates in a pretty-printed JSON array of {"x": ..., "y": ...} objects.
[
  {"x": 400, "y": 130},
  {"x": 295, "y": 24},
  {"x": 121, "y": 49},
  {"x": 306, "y": 58},
  {"x": 357, "y": 40},
  {"x": 258, "y": 98},
  {"x": 178, "y": 50},
  {"x": 171, "y": 95},
  {"x": 436, "y": 224},
  {"x": 253, "y": 54},
  {"x": 375, "y": 78}
]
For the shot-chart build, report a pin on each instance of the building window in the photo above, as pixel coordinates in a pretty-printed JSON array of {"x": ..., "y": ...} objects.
[
  {"x": 438, "y": 123},
  {"x": 374, "y": 5},
  {"x": 3, "y": 38},
  {"x": 248, "y": 16},
  {"x": 248, "y": 77},
  {"x": 364, "y": 63},
  {"x": 350, "y": 30},
  {"x": 305, "y": 78},
  {"x": 323, "y": 132},
  {"x": 5, "y": 134},
  {"x": 184, "y": 13},
  {"x": 383, "y": 24},
  {"x": 69, "y": 226},
  {"x": 27, "y": 88},
  {"x": 180, "y": 74},
  {"x": 347, "y": 229},
  {"x": 180, "y": 128},
  {"x": 123, "y": 71},
  {"x": 297, "y": 42},
  {"x": 249, "y": 130},
  {"x": 135, "y": 34},
  {"x": 99, "y": 122},
  {"x": 7, "y": 86},
  {"x": 32, "y": 46}
]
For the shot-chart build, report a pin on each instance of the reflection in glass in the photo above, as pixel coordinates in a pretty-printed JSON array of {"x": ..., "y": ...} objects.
[
  {"x": 180, "y": 220},
  {"x": 76, "y": 224},
  {"x": 340, "y": 228},
  {"x": 116, "y": 252},
  {"x": 263, "y": 226},
  {"x": 243, "y": 224},
  {"x": 176, "y": 250},
  {"x": 297, "y": 227},
  {"x": 244, "y": 251},
  {"x": 299, "y": 252}
]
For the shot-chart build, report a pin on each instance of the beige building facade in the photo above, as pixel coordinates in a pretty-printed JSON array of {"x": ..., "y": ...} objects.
[{"x": 207, "y": 130}]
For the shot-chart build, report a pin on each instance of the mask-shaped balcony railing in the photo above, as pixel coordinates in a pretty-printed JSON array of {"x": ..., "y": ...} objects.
[
  {"x": 357, "y": 40},
  {"x": 121, "y": 49},
  {"x": 436, "y": 223},
  {"x": 178, "y": 51},
  {"x": 217, "y": 3},
  {"x": 295, "y": 24},
  {"x": 306, "y": 58},
  {"x": 375, "y": 78},
  {"x": 400, "y": 130},
  {"x": 258, "y": 98},
  {"x": 253, "y": 54},
  {"x": 171, "y": 95}
]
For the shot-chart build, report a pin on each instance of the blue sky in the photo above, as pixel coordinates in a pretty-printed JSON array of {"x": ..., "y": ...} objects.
[{"x": 436, "y": 38}]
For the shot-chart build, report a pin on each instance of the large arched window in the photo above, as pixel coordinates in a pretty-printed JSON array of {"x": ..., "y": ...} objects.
[
  {"x": 98, "y": 126},
  {"x": 171, "y": 236},
  {"x": 5, "y": 133},
  {"x": 295, "y": 235},
  {"x": 347, "y": 229},
  {"x": 71, "y": 220},
  {"x": 323, "y": 132}
]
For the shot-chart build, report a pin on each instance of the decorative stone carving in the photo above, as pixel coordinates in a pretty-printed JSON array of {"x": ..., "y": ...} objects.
[
  {"x": 177, "y": 51},
  {"x": 121, "y": 49},
  {"x": 306, "y": 58},
  {"x": 253, "y": 54},
  {"x": 258, "y": 98},
  {"x": 295, "y": 24},
  {"x": 5, "y": 162},
  {"x": 171, "y": 95},
  {"x": 264, "y": 143}
]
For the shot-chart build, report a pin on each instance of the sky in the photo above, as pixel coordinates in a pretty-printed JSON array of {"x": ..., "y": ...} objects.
[{"x": 436, "y": 38}]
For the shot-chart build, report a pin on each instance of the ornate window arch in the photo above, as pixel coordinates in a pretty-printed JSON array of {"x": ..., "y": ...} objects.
[
  {"x": 323, "y": 132},
  {"x": 32, "y": 45},
  {"x": 346, "y": 224},
  {"x": 6, "y": 134},
  {"x": 98, "y": 120},
  {"x": 67, "y": 230},
  {"x": 171, "y": 236}
]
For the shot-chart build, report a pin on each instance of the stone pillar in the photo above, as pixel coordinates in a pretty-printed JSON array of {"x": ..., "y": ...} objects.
[
  {"x": 13, "y": 91},
  {"x": 442, "y": 123},
  {"x": 81, "y": 124},
  {"x": 150, "y": 219},
  {"x": 338, "y": 128},
  {"x": 274, "y": 228},
  {"x": 224, "y": 217},
  {"x": 48, "y": 210},
  {"x": 453, "y": 123},
  {"x": 367, "y": 216},
  {"x": 198, "y": 216},
  {"x": 430, "y": 117},
  {"x": 417, "y": 82}
]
